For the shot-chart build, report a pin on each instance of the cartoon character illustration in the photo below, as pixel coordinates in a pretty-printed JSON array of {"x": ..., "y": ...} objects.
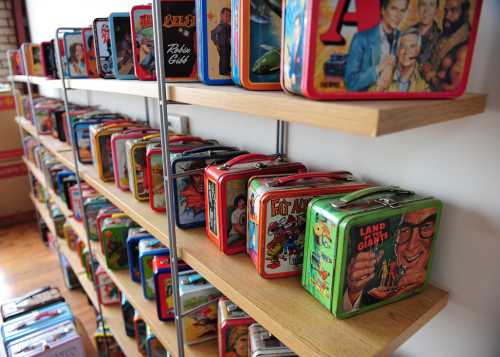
[
  {"x": 285, "y": 243},
  {"x": 221, "y": 37}
]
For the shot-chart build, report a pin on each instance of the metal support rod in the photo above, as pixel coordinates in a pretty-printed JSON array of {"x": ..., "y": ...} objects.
[
  {"x": 13, "y": 83},
  {"x": 281, "y": 131},
  {"x": 77, "y": 170},
  {"x": 30, "y": 92},
  {"x": 146, "y": 109},
  {"x": 168, "y": 181}
]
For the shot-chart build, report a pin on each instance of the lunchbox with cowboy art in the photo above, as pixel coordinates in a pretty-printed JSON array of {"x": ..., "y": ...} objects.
[
  {"x": 107, "y": 292},
  {"x": 75, "y": 55},
  {"x": 143, "y": 42},
  {"x": 154, "y": 166},
  {"x": 214, "y": 41},
  {"x": 369, "y": 248},
  {"x": 189, "y": 193},
  {"x": 226, "y": 196},
  {"x": 121, "y": 45},
  {"x": 114, "y": 240},
  {"x": 277, "y": 206},
  {"x": 256, "y": 40},
  {"x": 333, "y": 50},
  {"x": 119, "y": 154},
  {"x": 233, "y": 329},
  {"x": 89, "y": 52},
  {"x": 102, "y": 43}
]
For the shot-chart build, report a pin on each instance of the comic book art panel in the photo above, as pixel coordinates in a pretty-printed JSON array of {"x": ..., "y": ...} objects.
[
  {"x": 143, "y": 42},
  {"x": 352, "y": 49}
]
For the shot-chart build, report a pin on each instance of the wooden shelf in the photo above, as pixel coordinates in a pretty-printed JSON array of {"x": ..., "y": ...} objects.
[
  {"x": 114, "y": 320},
  {"x": 371, "y": 118},
  {"x": 282, "y": 306},
  {"x": 45, "y": 214}
]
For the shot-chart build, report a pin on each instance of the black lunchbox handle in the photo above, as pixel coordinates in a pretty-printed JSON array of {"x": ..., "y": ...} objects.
[
  {"x": 370, "y": 191},
  {"x": 209, "y": 148}
]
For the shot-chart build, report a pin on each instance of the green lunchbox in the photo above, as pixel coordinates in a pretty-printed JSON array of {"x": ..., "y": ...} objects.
[
  {"x": 369, "y": 248},
  {"x": 114, "y": 240}
]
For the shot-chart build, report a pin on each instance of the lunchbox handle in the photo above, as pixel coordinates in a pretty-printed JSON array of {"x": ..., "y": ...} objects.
[
  {"x": 247, "y": 158},
  {"x": 336, "y": 175},
  {"x": 151, "y": 136},
  {"x": 140, "y": 130},
  {"x": 185, "y": 138},
  {"x": 209, "y": 148},
  {"x": 366, "y": 192}
]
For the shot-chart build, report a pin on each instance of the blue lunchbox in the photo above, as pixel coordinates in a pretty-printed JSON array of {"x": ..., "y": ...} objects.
[
  {"x": 148, "y": 249},
  {"x": 214, "y": 41},
  {"x": 135, "y": 235},
  {"x": 121, "y": 45}
]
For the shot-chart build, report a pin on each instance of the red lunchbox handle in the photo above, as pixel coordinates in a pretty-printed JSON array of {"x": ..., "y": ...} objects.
[
  {"x": 187, "y": 139},
  {"x": 248, "y": 158},
  {"x": 141, "y": 130},
  {"x": 336, "y": 175}
]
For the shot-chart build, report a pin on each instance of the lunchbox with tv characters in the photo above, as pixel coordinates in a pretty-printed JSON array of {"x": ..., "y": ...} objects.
[
  {"x": 48, "y": 59},
  {"x": 369, "y": 248},
  {"x": 162, "y": 275},
  {"x": 107, "y": 292},
  {"x": 141, "y": 19},
  {"x": 233, "y": 329},
  {"x": 121, "y": 45},
  {"x": 333, "y": 50},
  {"x": 114, "y": 240},
  {"x": 226, "y": 196},
  {"x": 214, "y": 41},
  {"x": 135, "y": 235},
  {"x": 119, "y": 153},
  {"x": 262, "y": 343},
  {"x": 256, "y": 40},
  {"x": 148, "y": 249},
  {"x": 75, "y": 55},
  {"x": 102, "y": 43},
  {"x": 188, "y": 168},
  {"x": 277, "y": 208},
  {"x": 89, "y": 52}
]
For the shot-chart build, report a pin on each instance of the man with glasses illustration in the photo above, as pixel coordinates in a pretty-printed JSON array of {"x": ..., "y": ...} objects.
[{"x": 407, "y": 270}]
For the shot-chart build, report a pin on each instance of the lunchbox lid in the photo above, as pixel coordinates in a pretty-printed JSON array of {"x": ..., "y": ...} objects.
[{"x": 262, "y": 343}]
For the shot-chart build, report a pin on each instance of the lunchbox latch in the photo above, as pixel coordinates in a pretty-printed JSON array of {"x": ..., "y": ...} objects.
[{"x": 388, "y": 202}]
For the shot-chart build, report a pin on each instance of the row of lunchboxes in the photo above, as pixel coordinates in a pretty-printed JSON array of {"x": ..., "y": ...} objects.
[{"x": 322, "y": 51}]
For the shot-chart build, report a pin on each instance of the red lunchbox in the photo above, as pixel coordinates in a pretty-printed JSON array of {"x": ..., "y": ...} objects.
[
  {"x": 233, "y": 329},
  {"x": 226, "y": 196}
]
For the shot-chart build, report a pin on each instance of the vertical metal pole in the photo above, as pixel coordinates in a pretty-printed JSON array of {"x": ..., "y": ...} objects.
[
  {"x": 13, "y": 83},
  {"x": 146, "y": 109},
  {"x": 30, "y": 93},
  {"x": 77, "y": 172},
  {"x": 281, "y": 131},
  {"x": 168, "y": 183}
]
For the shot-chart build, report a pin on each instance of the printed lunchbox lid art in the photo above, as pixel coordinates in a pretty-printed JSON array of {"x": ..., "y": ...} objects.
[
  {"x": 121, "y": 45},
  {"x": 369, "y": 248},
  {"x": 385, "y": 49},
  {"x": 102, "y": 42},
  {"x": 143, "y": 42},
  {"x": 75, "y": 55}
]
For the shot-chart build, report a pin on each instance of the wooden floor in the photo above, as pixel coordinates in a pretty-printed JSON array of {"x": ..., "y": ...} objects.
[{"x": 26, "y": 264}]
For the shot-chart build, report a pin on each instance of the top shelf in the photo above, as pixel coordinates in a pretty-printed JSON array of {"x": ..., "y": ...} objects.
[{"x": 369, "y": 118}]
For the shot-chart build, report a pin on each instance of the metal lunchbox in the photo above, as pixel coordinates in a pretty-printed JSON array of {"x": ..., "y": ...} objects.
[
  {"x": 107, "y": 292},
  {"x": 233, "y": 329},
  {"x": 262, "y": 343},
  {"x": 89, "y": 52},
  {"x": 369, "y": 248},
  {"x": 135, "y": 235},
  {"x": 189, "y": 194},
  {"x": 70, "y": 236},
  {"x": 128, "y": 316},
  {"x": 256, "y": 40},
  {"x": 162, "y": 275},
  {"x": 48, "y": 59},
  {"x": 226, "y": 196},
  {"x": 102, "y": 43},
  {"x": 199, "y": 307},
  {"x": 114, "y": 240},
  {"x": 332, "y": 51},
  {"x": 143, "y": 42},
  {"x": 32, "y": 53},
  {"x": 119, "y": 153},
  {"x": 104, "y": 213},
  {"x": 148, "y": 249},
  {"x": 214, "y": 41},
  {"x": 121, "y": 45},
  {"x": 92, "y": 206},
  {"x": 69, "y": 276},
  {"x": 154, "y": 348},
  {"x": 75, "y": 55},
  {"x": 277, "y": 208},
  {"x": 105, "y": 342},
  {"x": 140, "y": 333},
  {"x": 154, "y": 165}
]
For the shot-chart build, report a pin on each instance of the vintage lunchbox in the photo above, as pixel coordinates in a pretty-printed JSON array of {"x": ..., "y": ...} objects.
[
  {"x": 91, "y": 207},
  {"x": 58, "y": 340},
  {"x": 162, "y": 275},
  {"x": 119, "y": 153},
  {"x": 114, "y": 240},
  {"x": 276, "y": 218},
  {"x": 140, "y": 333},
  {"x": 102, "y": 44},
  {"x": 148, "y": 249},
  {"x": 76, "y": 200},
  {"x": 143, "y": 42},
  {"x": 232, "y": 329},
  {"x": 70, "y": 236},
  {"x": 154, "y": 166},
  {"x": 214, "y": 41},
  {"x": 107, "y": 292},
  {"x": 48, "y": 59},
  {"x": 70, "y": 278},
  {"x": 369, "y": 248},
  {"x": 262, "y": 343},
  {"x": 188, "y": 184},
  {"x": 135, "y": 235},
  {"x": 256, "y": 39},
  {"x": 154, "y": 348},
  {"x": 29, "y": 323},
  {"x": 128, "y": 312},
  {"x": 226, "y": 196},
  {"x": 75, "y": 56},
  {"x": 121, "y": 45},
  {"x": 104, "y": 213},
  {"x": 136, "y": 165},
  {"x": 89, "y": 52},
  {"x": 15, "y": 62},
  {"x": 33, "y": 300},
  {"x": 333, "y": 51},
  {"x": 105, "y": 343},
  {"x": 32, "y": 53},
  {"x": 199, "y": 304}
]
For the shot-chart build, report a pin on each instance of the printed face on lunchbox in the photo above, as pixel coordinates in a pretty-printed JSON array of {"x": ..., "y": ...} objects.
[
  {"x": 144, "y": 43},
  {"x": 212, "y": 207},
  {"x": 219, "y": 38},
  {"x": 236, "y": 203},
  {"x": 75, "y": 54}
]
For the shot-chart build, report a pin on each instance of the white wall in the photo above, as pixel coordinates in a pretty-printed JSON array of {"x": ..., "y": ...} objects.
[{"x": 457, "y": 162}]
